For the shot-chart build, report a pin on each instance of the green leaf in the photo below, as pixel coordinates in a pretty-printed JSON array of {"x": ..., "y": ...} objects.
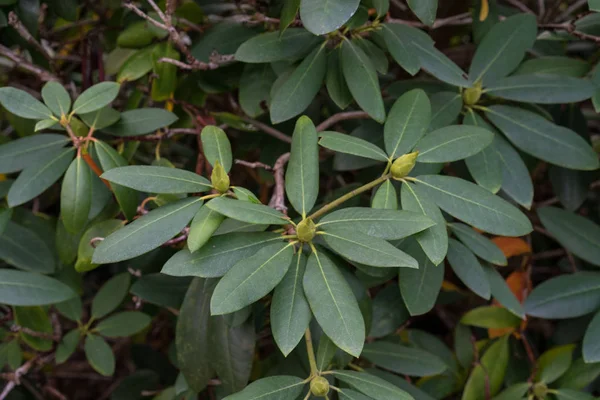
[
  {"x": 275, "y": 46},
  {"x": 463, "y": 345},
  {"x": 347, "y": 144},
  {"x": 362, "y": 80},
  {"x": 101, "y": 118},
  {"x": 407, "y": 122},
  {"x": 255, "y": 85},
  {"x": 382, "y": 7},
  {"x": 373, "y": 386},
  {"x": 453, "y": 143},
  {"x": 109, "y": 159},
  {"x": 251, "y": 279},
  {"x": 474, "y": 205},
  {"x": 99, "y": 355},
  {"x": 85, "y": 250},
  {"x": 591, "y": 345},
  {"x": 20, "y": 153},
  {"x": 439, "y": 65},
  {"x": 554, "y": 65},
  {"x": 516, "y": 180},
  {"x": 335, "y": 82},
  {"x": 71, "y": 309},
  {"x": 5, "y": 216},
  {"x": 39, "y": 176},
  {"x": 247, "y": 212},
  {"x": 135, "y": 35},
  {"x": 96, "y": 97},
  {"x": 67, "y": 346},
  {"x": 123, "y": 324},
  {"x": 111, "y": 295},
  {"x": 516, "y": 391},
  {"x": 218, "y": 255},
  {"x": 192, "y": 334},
  {"x": 44, "y": 124},
  {"x": 164, "y": 82},
  {"x": 271, "y": 388},
  {"x": 36, "y": 319},
  {"x": 14, "y": 354},
  {"x": 420, "y": 287},
  {"x": 141, "y": 121},
  {"x": 216, "y": 146},
  {"x": 290, "y": 312},
  {"x": 288, "y": 14},
  {"x": 324, "y": 16},
  {"x": 433, "y": 241},
  {"x": 554, "y": 363},
  {"x": 147, "y": 232},
  {"x": 424, "y": 9},
  {"x": 326, "y": 352},
  {"x": 502, "y": 293},
  {"x": 576, "y": 233},
  {"x": 16, "y": 244},
  {"x": 385, "y": 197},
  {"x": 374, "y": 53},
  {"x": 136, "y": 66},
  {"x": 76, "y": 196},
  {"x": 565, "y": 296},
  {"x": 503, "y": 48},
  {"x": 224, "y": 38},
  {"x": 541, "y": 138},
  {"x": 298, "y": 91},
  {"x": 568, "y": 394},
  {"x": 153, "y": 179},
  {"x": 384, "y": 224},
  {"x": 302, "y": 174},
  {"x": 364, "y": 249},
  {"x": 486, "y": 166},
  {"x": 594, "y": 5},
  {"x": 23, "y": 104},
  {"x": 56, "y": 98},
  {"x": 467, "y": 268},
  {"x": 19, "y": 288},
  {"x": 579, "y": 375},
  {"x": 204, "y": 224},
  {"x": 402, "y": 359},
  {"x": 162, "y": 290},
  {"x": 478, "y": 244},
  {"x": 570, "y": 187},
  {"x": 542, "y": 89},
  {"x": 333, "y": 304},
  {"x": 445, "y": 109},
  {"x": 389, "y": 312},
  {"x": 491, "y": 317},
  {"x": 397, "y": 38},
  {"x": 490, "y": 373}
]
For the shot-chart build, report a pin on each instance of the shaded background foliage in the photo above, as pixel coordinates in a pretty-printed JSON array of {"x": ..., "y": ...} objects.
[{"x": 471, "y": 276}]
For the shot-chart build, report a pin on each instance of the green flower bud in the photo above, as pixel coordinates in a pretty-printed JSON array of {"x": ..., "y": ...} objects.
[
  {"x": 219, "y": 178},
  {"x": 472, "y": 95},
  {"x": 306, "y": 230},
  {"x": 319, "y": 386},
  {"x": 540, "y": 390},
  {"x": 403, "y": 165}
]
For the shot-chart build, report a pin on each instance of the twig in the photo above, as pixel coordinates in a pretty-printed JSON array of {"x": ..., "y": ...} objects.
[
  {"x": 14, "y": 21},
  {"x": 460, "y": 19},
  {"x": 571, "y": 28},
  {"x": 255, "y": 164},
  {"x": 15, "y": 377},
  {"x": 25, "y": 65},
  {"x": 278, "y": 198},
  {"x": 216, "y": 60},
  {"x": 183, "y": 236},
  {"x": 520, "y": 6},
  {"x": 31, "y": 332},
  {"x": 541, "y": 9},
  {"x": 268, "y": 129},
  {"x": 567, "y": 13},
  {"x": 334, "y": 119}
]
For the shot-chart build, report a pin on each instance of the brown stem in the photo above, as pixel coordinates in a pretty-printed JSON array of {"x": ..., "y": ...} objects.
[
  {"x": 26, "y": 66},
  {"x": 278, "y": 199},
  {"x": 268, "y": 129},
  {"x": 334, "y": 119},
  {"x": 14, "y": 21}
]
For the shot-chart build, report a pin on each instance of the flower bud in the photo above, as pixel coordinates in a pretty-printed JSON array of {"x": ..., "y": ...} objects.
[
  {"x": 219, "y": 178},
  {"x": 403, "y": 165},
  {"x": 472, "y": 95},
  {"x": 306, "y": 230},
  {"x": 319, "y": 386}
]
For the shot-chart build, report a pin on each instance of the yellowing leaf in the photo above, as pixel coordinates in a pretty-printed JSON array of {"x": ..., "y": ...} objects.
[
  {"x": 484, "y": 11},
  {"x": 511, "y": 246}
]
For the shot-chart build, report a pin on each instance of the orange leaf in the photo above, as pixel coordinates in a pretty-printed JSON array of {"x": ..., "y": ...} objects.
[
  {"x": 520, "y": 285},
  {"x": 511, "y": 246}
]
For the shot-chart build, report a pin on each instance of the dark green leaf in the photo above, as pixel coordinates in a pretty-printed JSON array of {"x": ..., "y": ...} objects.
[
  {"x": 554, "y": 363},
  {"x": 96, "y": 97},
  {"x": 326, "y": 352},
  {"x": 247, "y": 212},
  {"x": 255, "y": 85},
  {"x": 385, "y": 197},
  {"x": 23, "y": 104},
  {"x": 164, "y": 81},
  {"x": 335, "y": 82},
  {"x": 123, "y": 324},
  {"x": 216, "y": 147},
  {"x": 579, "y": 375},
  {"x": 276, "y": 46},
  {"x": 302, "y": 173},
  {"x": 271, "y": 388},
  {"x": 453, "y": 143},
  {"x": 99, "y": 355},
  {"x": 141, "y": 121},
  {"x": 153, "y": 179},
  {"x": 591, "y": 345},
  {"x": 76, "y": 196},
  {"x": 502, "y": 293},
  {"x": 101, "y": 118},
  {"x": 160, "y": 289},
  {"x": 554, "y": 65},
  {"x": 85, "y": 250},
  {"x": 56, "y": 98},
  {"x": 343, "y": 143},
  {"x": 491, "y": 317},
  {"x": 516, "y": 180},
  {"x": 486, "y": 166},
  {"x": 407, "y": 122},
  {"x": 136, "y": 66},
  {"x": 321, "y": 17},
  {"x": 479, "y": 244},
  {"x": 203, "y": 226},
  {"x": 111, "y": 295},
  {"x": 374, "y": 53},
  {"x": 490, "y": 373},
  {"x": 402, "y": 359},
  {"x": 516, "y": 391},
  {"x": 24, "y": 249},
  {"x": 29, "y": 289},
  {"x": 224, "y": 38},
  {"x": 569, "y": 394},
  {"x": 67, "y": 346},
  {"x": 398, "y": 41},
  {"x": 467, "y": 268},
  {"x": 439, "y": 65},
  {"x": 424, "y": 9},
  {"x": 35, "y": 319},
  {"x": 288, "y": 14},
  {"x": 445, "y": 109},
  {"x": 375, "y": 387},
  {"x": 389, "y": 312}
]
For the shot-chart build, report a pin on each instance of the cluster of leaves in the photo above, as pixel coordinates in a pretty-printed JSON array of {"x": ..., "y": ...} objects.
[{"x": 438, "y": 229}]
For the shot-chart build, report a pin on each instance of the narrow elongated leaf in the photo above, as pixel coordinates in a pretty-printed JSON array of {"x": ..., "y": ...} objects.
[
  {"x": 290, "y": 312},
  {"x": 288, "y": 14},
  {"x": 56, "y": 98},
  {"x": 384, "y": 224},
  {"x": 385, "y": 197},
  {"x": 373, "y": 386},
  {"x": 445, "y": 109},
  {"x": 123, "y": 324},
  {"x": 276, "y": 46},
  {"x": 343, "y": 143},
  {"x": 479, "y": 244},
  {"x": 468, "y": 269},
  {"x": 491, "y": 317},
  {"x": 141, "y": 121},
  {"x": 389, "y": 312},
  {"x": 542, "y": 89},
  {"x": 16, "y": 244},
  {"x": 554, "y": 363},
  {"x": 101, "y": 118},
  {"x": 424, "y": 9},
  {"x": 271, "y": 388},
  {"x": 216, "y": 147},
  {"x": 67, "y": 346},
  {"x": 420, "y": 287},
  {"x": 516, "y": 180},
  {"x": 503, "y": 48},
  {"x": 502, "y": 292},
  {"x": 579, "y": 375},
  {"x": 152, "y": 179},
  {"x": 374, "y": 53},
  {"x": 148, "y": 232},
  {"x": 474, "y": 205},
  {"x": 541, "y": 138},
  {"x": 298, "y": 91},
  {"x": 402, "y": 359},
  {"x": 321, "y": 17},
  {"x": 23, "y": 104},
  {"x": 570, "y": 394},
  {"x": 99, "y": 355},
  {"x": 574, "y": 232},
  {"x": 251, "y": 279},
  {"x": 204, "y": 224},
  {"x": 591, "y": 346},
  {"x": 362, "y": 80},
  {"x": 255, "y": 87},
  {"x": 485, "y": 166},
  {"x": 397, "y": 39},
  {"x": 302, "y": 174},
  {"x": 565, "y": 296},
  {"x": 335, "y": 82},
  {"x": 493, "y": 366},
  {"x": 247, "y": 212},
  {"x": 325, "y": 352},
  {"x": 218, "y": 255},
  {"x": 96, "y": 97},
  {"x": 39, "y": 176},
  {"x": 162, "y": 290},
  {"x": 364, "y": 249},
  {"x": 76, "y": 196},
  {"x": 19, "y": 288},
  {"x": 439, "y": 65},
  {"x": 111, "y": 295},
  {"x": 20, "y": 153},
  {"x": 516, "y": 391},
  {"x": 453, "y": 143},
  {"x": 554, "y": 65},
  {"x": 333, "y": 304},
  {"x": 407, "y": 122},
  {"x": 433, "y": 241}
]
